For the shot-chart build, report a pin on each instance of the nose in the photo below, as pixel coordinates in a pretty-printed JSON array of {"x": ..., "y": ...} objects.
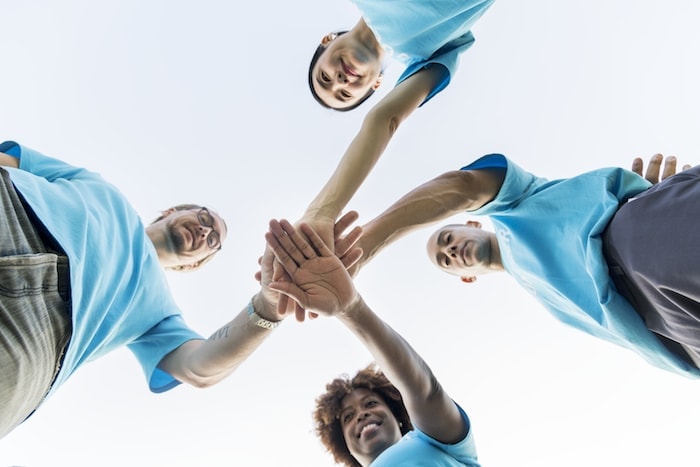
[
  {"x": 203, "y": 230},
  {"x": 450, "y": 250}
]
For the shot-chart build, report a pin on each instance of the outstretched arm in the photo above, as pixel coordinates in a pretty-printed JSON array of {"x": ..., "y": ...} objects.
[
  {"x": 203, "y": 363},
  {"x": 378, "y": 127},
  {"x": 446, "y": 195},
  {"x": 320, "y": 282}
]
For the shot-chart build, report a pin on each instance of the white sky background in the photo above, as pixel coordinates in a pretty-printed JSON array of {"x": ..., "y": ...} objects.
[{"x": 207, "y": 102}]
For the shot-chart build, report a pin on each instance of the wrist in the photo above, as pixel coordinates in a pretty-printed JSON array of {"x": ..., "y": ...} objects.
[
  {"x": 259, "y": 312},
  {"x": 354, "y": 309}
]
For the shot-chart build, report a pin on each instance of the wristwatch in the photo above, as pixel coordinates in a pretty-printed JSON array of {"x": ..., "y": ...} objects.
[{"x": 258, "y": 320}]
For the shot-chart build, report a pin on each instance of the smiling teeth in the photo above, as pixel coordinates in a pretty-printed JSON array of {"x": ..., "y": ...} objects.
[{"x": 370, "y": 425}]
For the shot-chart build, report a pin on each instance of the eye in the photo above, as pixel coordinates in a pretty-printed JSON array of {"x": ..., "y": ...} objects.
[
  {"x": 371, "y": 403},
  {"x": 325, "y": 78},
  {"x": 447, "y": 262},
  {"x": 346, "y": 418},
  {"x": 345, "y": 94},
  {"x": 448, "y": 238}
]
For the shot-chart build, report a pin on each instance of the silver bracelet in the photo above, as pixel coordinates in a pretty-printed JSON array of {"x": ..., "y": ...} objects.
[{"x": 258, "y": 320}]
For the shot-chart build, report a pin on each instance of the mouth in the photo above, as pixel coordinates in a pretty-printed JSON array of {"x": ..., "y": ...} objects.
[
  {"x": 466, "y": 254},
  {"x": 348, "y": 69},
  {"x": 192, "y": 237},
  {"x": 369, "y": 428}
]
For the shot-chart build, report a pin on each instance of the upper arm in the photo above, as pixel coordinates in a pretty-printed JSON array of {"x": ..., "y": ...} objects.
[
  {"x": 8, "y": 161},
  {"x": 438, "y": 416},
  {"x": 176, "y": 363}
]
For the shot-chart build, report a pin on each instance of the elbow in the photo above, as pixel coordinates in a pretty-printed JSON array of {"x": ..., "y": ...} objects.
[
  {"x": 202, "y": 382},
  {"x": 379, "y": 118}
]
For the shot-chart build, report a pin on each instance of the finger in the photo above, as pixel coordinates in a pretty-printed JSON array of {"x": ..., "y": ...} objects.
[
  {"x": 317, "y": 242},
  {"x": 280, "y": 253},
  {"x": 638, "y": 166},
  {"x": 300, "y": 242},
  {"x": 344, "y": 245},
  {"x": 258, "y": 276},
  {"x": 654, "y": 168},
  {"x": 313, "y": 315},
  {"x": 344, "y": 222},
  {"x": 686, "y": 166},
  {"x": 669, "y": 167},
  {"x": 282, "y": 301},
  {"x": 299, "y": 313},
  {"x": 350, "y": 259},
  {"x": 285, "y": 241}
]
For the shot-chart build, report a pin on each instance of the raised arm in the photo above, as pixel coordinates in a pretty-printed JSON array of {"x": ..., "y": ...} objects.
[
  {"x": 378, "y": 127},
  {"x": 442, "y": 197},
  {"x": 203, "y": 363},
  {"x": 320, "y": 282}
]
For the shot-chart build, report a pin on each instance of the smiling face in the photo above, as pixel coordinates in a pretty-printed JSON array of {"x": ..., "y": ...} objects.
[
  {"x": 463, "y": 250},
  {"x": 346, "y": 71},
  {"x": 369, "y": 427}
]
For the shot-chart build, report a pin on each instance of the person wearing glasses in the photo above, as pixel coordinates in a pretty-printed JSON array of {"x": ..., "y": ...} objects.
[
  {"x": 80, "y": 276},
  {"x": 428, "y": 37}
]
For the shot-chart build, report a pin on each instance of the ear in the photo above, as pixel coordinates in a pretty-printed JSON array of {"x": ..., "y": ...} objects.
[
  {"x": 328, "y": 38},
  {"x": 378, "y": 82},
  {"x": 468, "y": 280},
  {"x": 475, "y": 224},
  {"x": 184, "y": 267},
  {"x": 167, "y": 212}
]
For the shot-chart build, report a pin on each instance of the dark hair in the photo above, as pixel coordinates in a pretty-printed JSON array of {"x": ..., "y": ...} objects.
[
  {"x": 317, "y": 54},
  {"x": 206, "y": 259},
  {"x": 328, "y": 407}
]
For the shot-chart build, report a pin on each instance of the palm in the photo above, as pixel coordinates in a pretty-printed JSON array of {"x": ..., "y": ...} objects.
[
  {"x": 324, "y": 283},
  {"x": 317, "y": 279}
]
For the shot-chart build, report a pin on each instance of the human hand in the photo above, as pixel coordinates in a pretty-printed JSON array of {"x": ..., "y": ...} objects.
[
  {"x": 319, "y": 280},
  {"x": 654, "y": 167},
  {"x": 345, "y": 249},
  {"x": 268, "y": 306}
]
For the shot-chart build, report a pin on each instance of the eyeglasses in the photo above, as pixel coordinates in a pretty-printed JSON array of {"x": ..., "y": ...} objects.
[{"x": 207, "y": 220}]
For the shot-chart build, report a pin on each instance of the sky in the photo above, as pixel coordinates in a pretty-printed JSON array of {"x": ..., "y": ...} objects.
[{"x": 207, "y": 102}]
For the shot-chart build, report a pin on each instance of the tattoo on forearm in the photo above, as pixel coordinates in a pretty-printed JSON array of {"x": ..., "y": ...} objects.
[{"x": 220, "y": 334}]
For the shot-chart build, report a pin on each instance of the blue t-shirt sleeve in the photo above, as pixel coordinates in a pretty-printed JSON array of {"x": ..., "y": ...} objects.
[
  {"x": 447, "y": 58},
  {"x": 159, "y": 341},
  {"x": 44, "y": 166},
  {"x": 517, "y": 184},
  {"x": 464, "y": 451}
]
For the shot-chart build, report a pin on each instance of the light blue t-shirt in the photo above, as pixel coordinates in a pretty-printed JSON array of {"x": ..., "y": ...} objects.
[
  {"x": 119, "y": 292},
  {"x": 416, "y": 448},
  {"x": 420, "y": 33},
  {"x": 549, "y": 234}
]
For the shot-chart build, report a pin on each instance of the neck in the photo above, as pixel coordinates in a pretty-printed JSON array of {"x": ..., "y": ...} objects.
[
  {"x": 495, "y": 263},
  {"x": 364, "y": 34}
]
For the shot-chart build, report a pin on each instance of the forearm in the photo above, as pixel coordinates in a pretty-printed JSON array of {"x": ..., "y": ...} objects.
[
  {"x": 205, "y": 363},
  {"x": 445, "y": 196},
  {"x": 429, "y": 406},
  {"x": 357, "y": 162},
  {"x": 396, "y": 358}
]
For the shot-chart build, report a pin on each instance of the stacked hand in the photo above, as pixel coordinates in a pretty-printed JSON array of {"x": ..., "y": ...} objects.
[
  {"x": 344, "y": 249},
  {"x": 316, "y": 278}
]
